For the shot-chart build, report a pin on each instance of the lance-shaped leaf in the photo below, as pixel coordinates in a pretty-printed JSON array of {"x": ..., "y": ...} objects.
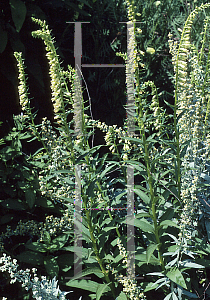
[{"x": 176, "y": 276}]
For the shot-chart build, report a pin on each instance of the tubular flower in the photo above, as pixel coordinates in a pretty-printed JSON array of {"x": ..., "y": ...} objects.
[
  {"x": 57, "y": 80},
  {"x": 22, "y": 87}
]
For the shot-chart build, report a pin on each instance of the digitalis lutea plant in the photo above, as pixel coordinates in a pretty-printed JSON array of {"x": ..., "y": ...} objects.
[
  {"x": 190, "y": 100},
  {"x": 60, "y": 91},
  {"x": 48, "y": 138},
  {"x": 43, "y": 36},
  {"x": 90, "y": 170},
  {"x": 181, "y": 75},
  {"x": 26, "y": 115},
  {"x": 111, "y": 135},
  {"x": 195, "y": 130},
  {"x": 142, "y": 130},
  {"x": 146, "y": 151},
  {"x": 58, "y": 98},
  {"x": 191, "y": 96}
]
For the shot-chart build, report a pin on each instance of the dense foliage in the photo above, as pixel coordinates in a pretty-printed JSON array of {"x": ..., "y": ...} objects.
[{"x": 169, "y": 161}]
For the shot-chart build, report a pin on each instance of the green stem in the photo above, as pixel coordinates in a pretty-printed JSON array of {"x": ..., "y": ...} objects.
[
  {"x": 36, "y": 131},
  {"x": 100, "y": 261},
  {"x": 100, "y": 189},
  {"x": 109, "y": 213},
  {"x": 118, "y": 154},
  {"x": 153, "y": 200},
  {"x": 153, "y": 203}
]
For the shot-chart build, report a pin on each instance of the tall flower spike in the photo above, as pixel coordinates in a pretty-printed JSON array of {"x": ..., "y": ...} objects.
[
  {"x": 22, "y": 87},
  {"x": 190, "y": 102},
  {"x": 57, "y": 80}
]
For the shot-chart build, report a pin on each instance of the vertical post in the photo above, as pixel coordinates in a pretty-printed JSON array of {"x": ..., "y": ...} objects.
[
  {"x": 77, "y": 201},
  {"x": 78, "y": 132},
  {"x": 130, "y": 110}
]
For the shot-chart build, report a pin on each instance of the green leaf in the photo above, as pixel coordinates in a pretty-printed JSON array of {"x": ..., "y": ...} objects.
[
  {"x": 110, "y": 257},
  {"x": 86, "y": 272},
  {"x": 43, "y": 202},
  {"x": 184, "y": 149},
  {"x": 150, "y": 138},
  {"x": 6, "y": 219},
  {"x": 143, "y": 259},
  {"x": 176, "y": 276},
  {"x": 168, "y": 215},
  {"x": 76, "y": 8},
  {"x": 37, "y": 247},
  {"x": 202, "y": 247},
  {"x": 90, "y": 189},
  {"x": 67, "y": 180},
  {"x": 169, "y": 297},
  {"x": 47, "y": 237},
  {"x": 18, "y": 10},
  {"x": 65, "y": 261},
  {"x": 2, "y": 142},
  {"x": 30, "y": 257},
  {"x": 150, "y": 249},
  {"x": 118, "y": 258},
  {"x": 190, "y": 264},
  {"x": 107, "y": 170},
  {"x": 85, "y": 2},
  {"x": 58, "y": 242},
  {"x": 37, "y": 152},
  {"x": 142, "y": 214},
  {"x": 85, "y": 153},
  {"x": 3, "y": 39},
  {"x": 13, "y": 204},
  {"x": 150, "y": 286},
  {"x": 85, "y": 231},
  {"x": 142, "y": 195},
  {"x": 204, "y": 262},
  {"x": 190, "y": 295},
  {"x": 108, "y": 228},
  {"x": 8, "y": 153},
  {"x": 140, "y": 167},
  {"x": 30, "y": 197},
  {"x": 51, "y": 266},
  {"x": 118, "y": 197},
  {"x": 84, "y": 284},
  {"x": 143, "y": 224},
  {"x": 170, "y": 105},
  {"x": 137, "y": 140},
  {"x": 167, "y": 223},
  {"x": 122, "y": 296},
  {"x": 102, "y": 288},
  {"x": 38, "y": 164}
]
